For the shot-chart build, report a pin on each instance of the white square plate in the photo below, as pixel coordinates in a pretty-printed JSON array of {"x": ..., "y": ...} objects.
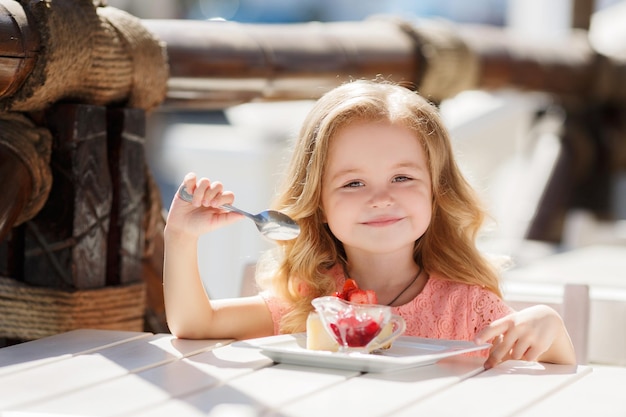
[{"x": 406, "y": 352}]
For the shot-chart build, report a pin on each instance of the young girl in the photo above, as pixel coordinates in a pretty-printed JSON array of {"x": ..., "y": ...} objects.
[{"x": 379, "y": 198}]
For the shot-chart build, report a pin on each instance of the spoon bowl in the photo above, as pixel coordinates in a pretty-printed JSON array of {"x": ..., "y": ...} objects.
[{"x": 271, "y": 223}]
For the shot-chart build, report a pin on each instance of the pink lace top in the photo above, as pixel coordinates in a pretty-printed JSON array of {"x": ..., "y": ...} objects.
[{"x": 443, "y": 310}]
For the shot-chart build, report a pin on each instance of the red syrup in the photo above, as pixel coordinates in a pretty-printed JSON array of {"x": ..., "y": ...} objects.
[{"x": 357, "y": 331}]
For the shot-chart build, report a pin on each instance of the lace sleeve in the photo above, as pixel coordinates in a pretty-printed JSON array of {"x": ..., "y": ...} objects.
[
  {"x": 485, "y": 307},
  {"x": 276, "y": 307}
]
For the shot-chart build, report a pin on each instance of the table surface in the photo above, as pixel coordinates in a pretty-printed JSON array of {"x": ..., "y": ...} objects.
[{"x": 117, "y": 373}]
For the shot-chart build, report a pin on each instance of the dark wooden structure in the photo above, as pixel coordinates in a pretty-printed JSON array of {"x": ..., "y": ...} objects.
[
  {"x": 80, "y": 214},
  {"x": 79, "y": 195}
]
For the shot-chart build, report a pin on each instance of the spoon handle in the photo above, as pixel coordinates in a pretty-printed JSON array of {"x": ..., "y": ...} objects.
[
  {"x": 236, "y": 210},
  {"x": 186, "y": 196}
]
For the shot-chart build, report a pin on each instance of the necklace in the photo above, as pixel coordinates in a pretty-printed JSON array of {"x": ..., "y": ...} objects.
[{"x": 406, "y": 288}]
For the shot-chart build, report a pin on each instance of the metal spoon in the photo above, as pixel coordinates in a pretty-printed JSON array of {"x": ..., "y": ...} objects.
[{"x": 271, "y": 223}]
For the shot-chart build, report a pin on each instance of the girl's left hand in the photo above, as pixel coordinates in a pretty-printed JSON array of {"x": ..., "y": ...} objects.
[{"x": 526, "y": 335}]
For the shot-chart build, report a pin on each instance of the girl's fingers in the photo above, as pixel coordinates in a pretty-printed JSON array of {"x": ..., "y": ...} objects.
[
  {"x": 520, "y": 349},
  {"x": 199, "y": 194},
  {"x": 225, "y": 197},
  {"x": 189, "y": 182},
  {"x": 212, "y": 196},
  {"x": 532, "y": 354},
  {"x": 204, "y": 192},
  {"x": 525, "y": 335},
  {"x": 493, "y": 330},
  {"x": 503, "y": 348},
  {"x": 190, "y": 176}
]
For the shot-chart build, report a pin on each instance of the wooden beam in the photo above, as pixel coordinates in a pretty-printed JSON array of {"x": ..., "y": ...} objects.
[
  {"x": 582, "y": 10},
  {"x": 19, "y": 47}
]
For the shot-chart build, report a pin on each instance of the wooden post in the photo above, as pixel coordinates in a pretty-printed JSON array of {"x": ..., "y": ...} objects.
[
  {"x": 66, "y": 243},
  {"x": 581, "y": 13},
  {"x": 83, "y": 252},
  {"x": 126, "y": 134}
]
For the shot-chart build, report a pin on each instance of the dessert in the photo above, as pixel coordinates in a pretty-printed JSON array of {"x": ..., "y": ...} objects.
[
  {"x": 357, "y": 331},
  {"x": 317, "y": 338},
  {"x": 355, "y": 322}
]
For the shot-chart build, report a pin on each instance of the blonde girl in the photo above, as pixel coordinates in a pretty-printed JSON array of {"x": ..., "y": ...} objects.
[{"x": 374, "y": 186}]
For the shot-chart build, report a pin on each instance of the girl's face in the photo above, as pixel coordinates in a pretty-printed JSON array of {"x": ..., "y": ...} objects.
[{"x": 376, "y": 190}]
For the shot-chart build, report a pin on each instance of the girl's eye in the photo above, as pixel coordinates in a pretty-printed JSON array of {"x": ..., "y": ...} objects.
[
  {"x": 353, "y": 184},
  {"x": 401, "y": 178}
]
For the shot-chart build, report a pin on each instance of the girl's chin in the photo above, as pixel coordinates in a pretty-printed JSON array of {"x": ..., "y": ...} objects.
[{"x": 380, "y": 245}]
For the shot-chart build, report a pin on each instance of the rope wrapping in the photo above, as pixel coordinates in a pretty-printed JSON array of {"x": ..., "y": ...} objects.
[
  {"x": 28, "y": 312},
  {"x": 33, "y": 146},
  {"x": 443, "y": 52},
  {"x": 90, "y": 54}
]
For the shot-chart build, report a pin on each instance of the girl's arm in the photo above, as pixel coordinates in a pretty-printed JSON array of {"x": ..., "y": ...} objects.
[
  {"x": 190, "y": 313},
  {"x": 535, "y": 334}
]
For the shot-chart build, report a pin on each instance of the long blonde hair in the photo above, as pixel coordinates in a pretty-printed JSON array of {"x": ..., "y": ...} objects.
[{"x": 448, "y": 246}]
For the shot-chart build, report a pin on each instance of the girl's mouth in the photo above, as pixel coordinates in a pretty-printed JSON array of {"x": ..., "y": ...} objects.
[{"x": 382, "y": 222}]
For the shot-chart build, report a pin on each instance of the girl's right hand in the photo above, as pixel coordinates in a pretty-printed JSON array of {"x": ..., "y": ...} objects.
[{"x": 203, "y": 214}]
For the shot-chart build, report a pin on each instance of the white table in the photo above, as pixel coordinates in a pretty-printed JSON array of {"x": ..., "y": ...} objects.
[{"x": 113, "y": 373}]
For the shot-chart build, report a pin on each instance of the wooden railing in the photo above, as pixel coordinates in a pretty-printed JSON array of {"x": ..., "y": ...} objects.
[{"x": 219, "y": 64}]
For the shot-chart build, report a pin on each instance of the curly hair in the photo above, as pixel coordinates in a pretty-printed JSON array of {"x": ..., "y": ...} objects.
[{"x": 447, "y": 248}]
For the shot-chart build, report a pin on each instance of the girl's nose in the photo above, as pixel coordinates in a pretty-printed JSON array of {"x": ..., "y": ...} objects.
[{"x": 381, "y": 198}]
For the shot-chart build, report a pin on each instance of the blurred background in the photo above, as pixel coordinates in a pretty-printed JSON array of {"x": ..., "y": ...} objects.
[
  {"x": 245, "y": 146},
  {"x": 493, "y": 12}
]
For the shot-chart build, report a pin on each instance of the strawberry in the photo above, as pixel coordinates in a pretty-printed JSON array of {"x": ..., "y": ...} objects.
[
  {"x": 358, "y": 297},
  {"x": 349, "y": 286},
  {"x": 371, "y": 297},
  {"x": 351, "y": 292}
]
